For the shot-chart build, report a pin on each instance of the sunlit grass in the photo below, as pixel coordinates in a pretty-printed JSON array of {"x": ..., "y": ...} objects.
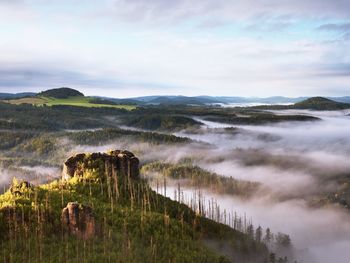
[{"x": 71, "y": 101}]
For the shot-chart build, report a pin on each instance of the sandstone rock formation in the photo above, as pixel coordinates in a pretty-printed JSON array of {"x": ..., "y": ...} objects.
[
  {"x": 79, "y": 220},
  {"x": 18, "y": 188},
  {"x": 123, "y": 163}
]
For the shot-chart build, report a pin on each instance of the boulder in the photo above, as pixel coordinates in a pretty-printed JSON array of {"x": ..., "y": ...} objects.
[{"x": 79, "y": 220}]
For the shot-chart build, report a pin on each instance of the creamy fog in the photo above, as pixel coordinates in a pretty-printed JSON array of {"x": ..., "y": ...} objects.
[{"x": 310, "y": 152}]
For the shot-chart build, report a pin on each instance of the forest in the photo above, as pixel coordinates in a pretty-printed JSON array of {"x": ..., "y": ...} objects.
[{"x": 202, "y": 171}]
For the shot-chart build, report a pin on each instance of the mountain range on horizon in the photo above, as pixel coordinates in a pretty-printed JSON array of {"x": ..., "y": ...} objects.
[{"x": 198, "y": 100}]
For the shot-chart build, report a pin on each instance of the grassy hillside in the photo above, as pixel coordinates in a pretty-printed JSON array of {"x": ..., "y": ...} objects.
[
  {"x": 84, "y": 102},
  {"x": 133, "y": 224},
  {"x": 69, "y": 97},
  {"x": 69, "y": 101}
]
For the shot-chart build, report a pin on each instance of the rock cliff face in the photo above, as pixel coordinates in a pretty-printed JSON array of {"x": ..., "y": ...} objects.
[
  {"x": 123, "y": 163},
  {"x": 79, "y": 220}
]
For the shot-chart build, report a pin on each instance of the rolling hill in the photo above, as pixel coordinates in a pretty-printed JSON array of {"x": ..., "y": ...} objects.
[
  {"x": 68, "y": 97},
  {"x": 314, "y": 103},
  {"x": 5, "y": 96},
  {"x": 61, "y": 93},
  {"x": 321, "y": 103}
]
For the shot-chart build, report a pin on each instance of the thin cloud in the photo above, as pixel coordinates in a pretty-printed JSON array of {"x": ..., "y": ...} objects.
[
  {"x": 335, "y": 27},
  {"x": 180, "y": 9},
  {"x": 244, "y": 47}
]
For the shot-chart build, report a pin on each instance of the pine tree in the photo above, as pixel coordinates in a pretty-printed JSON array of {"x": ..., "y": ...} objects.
[
  {"x": 258, "y": 234},
  {"x": 268, "y": 236},
  {"x": 283, "y": 240},
  {"x": 250, "y": 231}
]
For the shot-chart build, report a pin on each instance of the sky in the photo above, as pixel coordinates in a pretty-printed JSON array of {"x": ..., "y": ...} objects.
[{"x": 129, "y": 48}]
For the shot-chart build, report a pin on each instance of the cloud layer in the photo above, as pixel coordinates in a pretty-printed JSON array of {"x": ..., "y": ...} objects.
[{"x": 245, "y": 47}]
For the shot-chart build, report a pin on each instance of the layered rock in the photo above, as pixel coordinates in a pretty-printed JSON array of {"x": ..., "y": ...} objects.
[
  {"x": 122, "y": 163},
  {"x": 79, "y": 220}
]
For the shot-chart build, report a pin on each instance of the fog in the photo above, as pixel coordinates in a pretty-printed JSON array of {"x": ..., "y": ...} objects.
[
  {"x": 294, "y": 161},
  {"x": 318, "y": 235},
  {"x": 33, "y": 174}
]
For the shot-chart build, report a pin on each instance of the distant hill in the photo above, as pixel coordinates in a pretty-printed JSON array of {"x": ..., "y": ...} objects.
[
  {"x": 202, "y": 100},
  {"x": 301, "y": 102},
  {"x": 61, "y": 93},
  {"x": 16, "y": 95},
  {"x": 125, "y": 101},
  {"x": 178, "y": 100},
  {"x": 321, "y": 103},
  {"x": 67, "y": 97},
  {"x": 345, "y": 99},
  {"x": 314, "y": 103}
]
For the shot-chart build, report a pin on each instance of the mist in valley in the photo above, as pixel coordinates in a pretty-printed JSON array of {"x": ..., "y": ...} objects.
[{"x": 294, "y": 162}]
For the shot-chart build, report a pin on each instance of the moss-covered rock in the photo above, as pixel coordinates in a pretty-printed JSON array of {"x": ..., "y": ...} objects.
[{"x": 97, "y": 165}]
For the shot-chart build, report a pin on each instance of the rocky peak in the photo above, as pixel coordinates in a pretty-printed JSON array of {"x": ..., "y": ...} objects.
[{"x": 97, "y": 165}]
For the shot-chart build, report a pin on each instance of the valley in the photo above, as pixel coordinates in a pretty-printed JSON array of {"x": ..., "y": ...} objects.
[{"x": 250, "y": 169}]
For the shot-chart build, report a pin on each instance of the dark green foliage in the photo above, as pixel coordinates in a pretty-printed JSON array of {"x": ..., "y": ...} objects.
[
  {"x": 160, "y": 122},
  {"x": 105, "y": 135},
  {"x": 261, "y": 118},
  {"x": 268, "y": 238},
  {"x": 55, "y": 118},
  {"x": 41, "y": 145},
  {"x": 258, "y": 234},
  {"x": 320, "y": 103},
  {"x": 60, "y": 93},
  {"x": 283, "y": 240},
  {"x": 96, "y": 100},
  {"x": 188, "y": 110},
  {"x": 134, "y": 225},
  {"x": 314, "y": 103},
  {"x": 200, "y": 178},
  {"x": 9, "y": 139}
]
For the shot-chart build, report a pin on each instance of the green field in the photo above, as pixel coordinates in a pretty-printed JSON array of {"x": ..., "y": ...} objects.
[{"x": 71, "y": 101}]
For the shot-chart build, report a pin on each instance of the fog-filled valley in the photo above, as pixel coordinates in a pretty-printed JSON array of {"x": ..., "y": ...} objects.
[
  {"x": 297, "y": 165},
  {"x": 175, "y": 131},
  {"x": 286, "y": 170}
]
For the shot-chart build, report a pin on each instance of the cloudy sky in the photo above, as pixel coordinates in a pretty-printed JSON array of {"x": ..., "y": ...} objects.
[{"x": 125, "y": 48}]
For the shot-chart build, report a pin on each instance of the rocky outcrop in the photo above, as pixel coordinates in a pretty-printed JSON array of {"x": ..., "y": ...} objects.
[
  {"x": 79, "y": 220},
  {"x": 18, "y": 188},
  {"x": 122, "y": 163}
]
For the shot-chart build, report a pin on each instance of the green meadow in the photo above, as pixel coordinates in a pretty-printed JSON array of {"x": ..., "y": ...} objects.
[{"x": 70, "y": 101}]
